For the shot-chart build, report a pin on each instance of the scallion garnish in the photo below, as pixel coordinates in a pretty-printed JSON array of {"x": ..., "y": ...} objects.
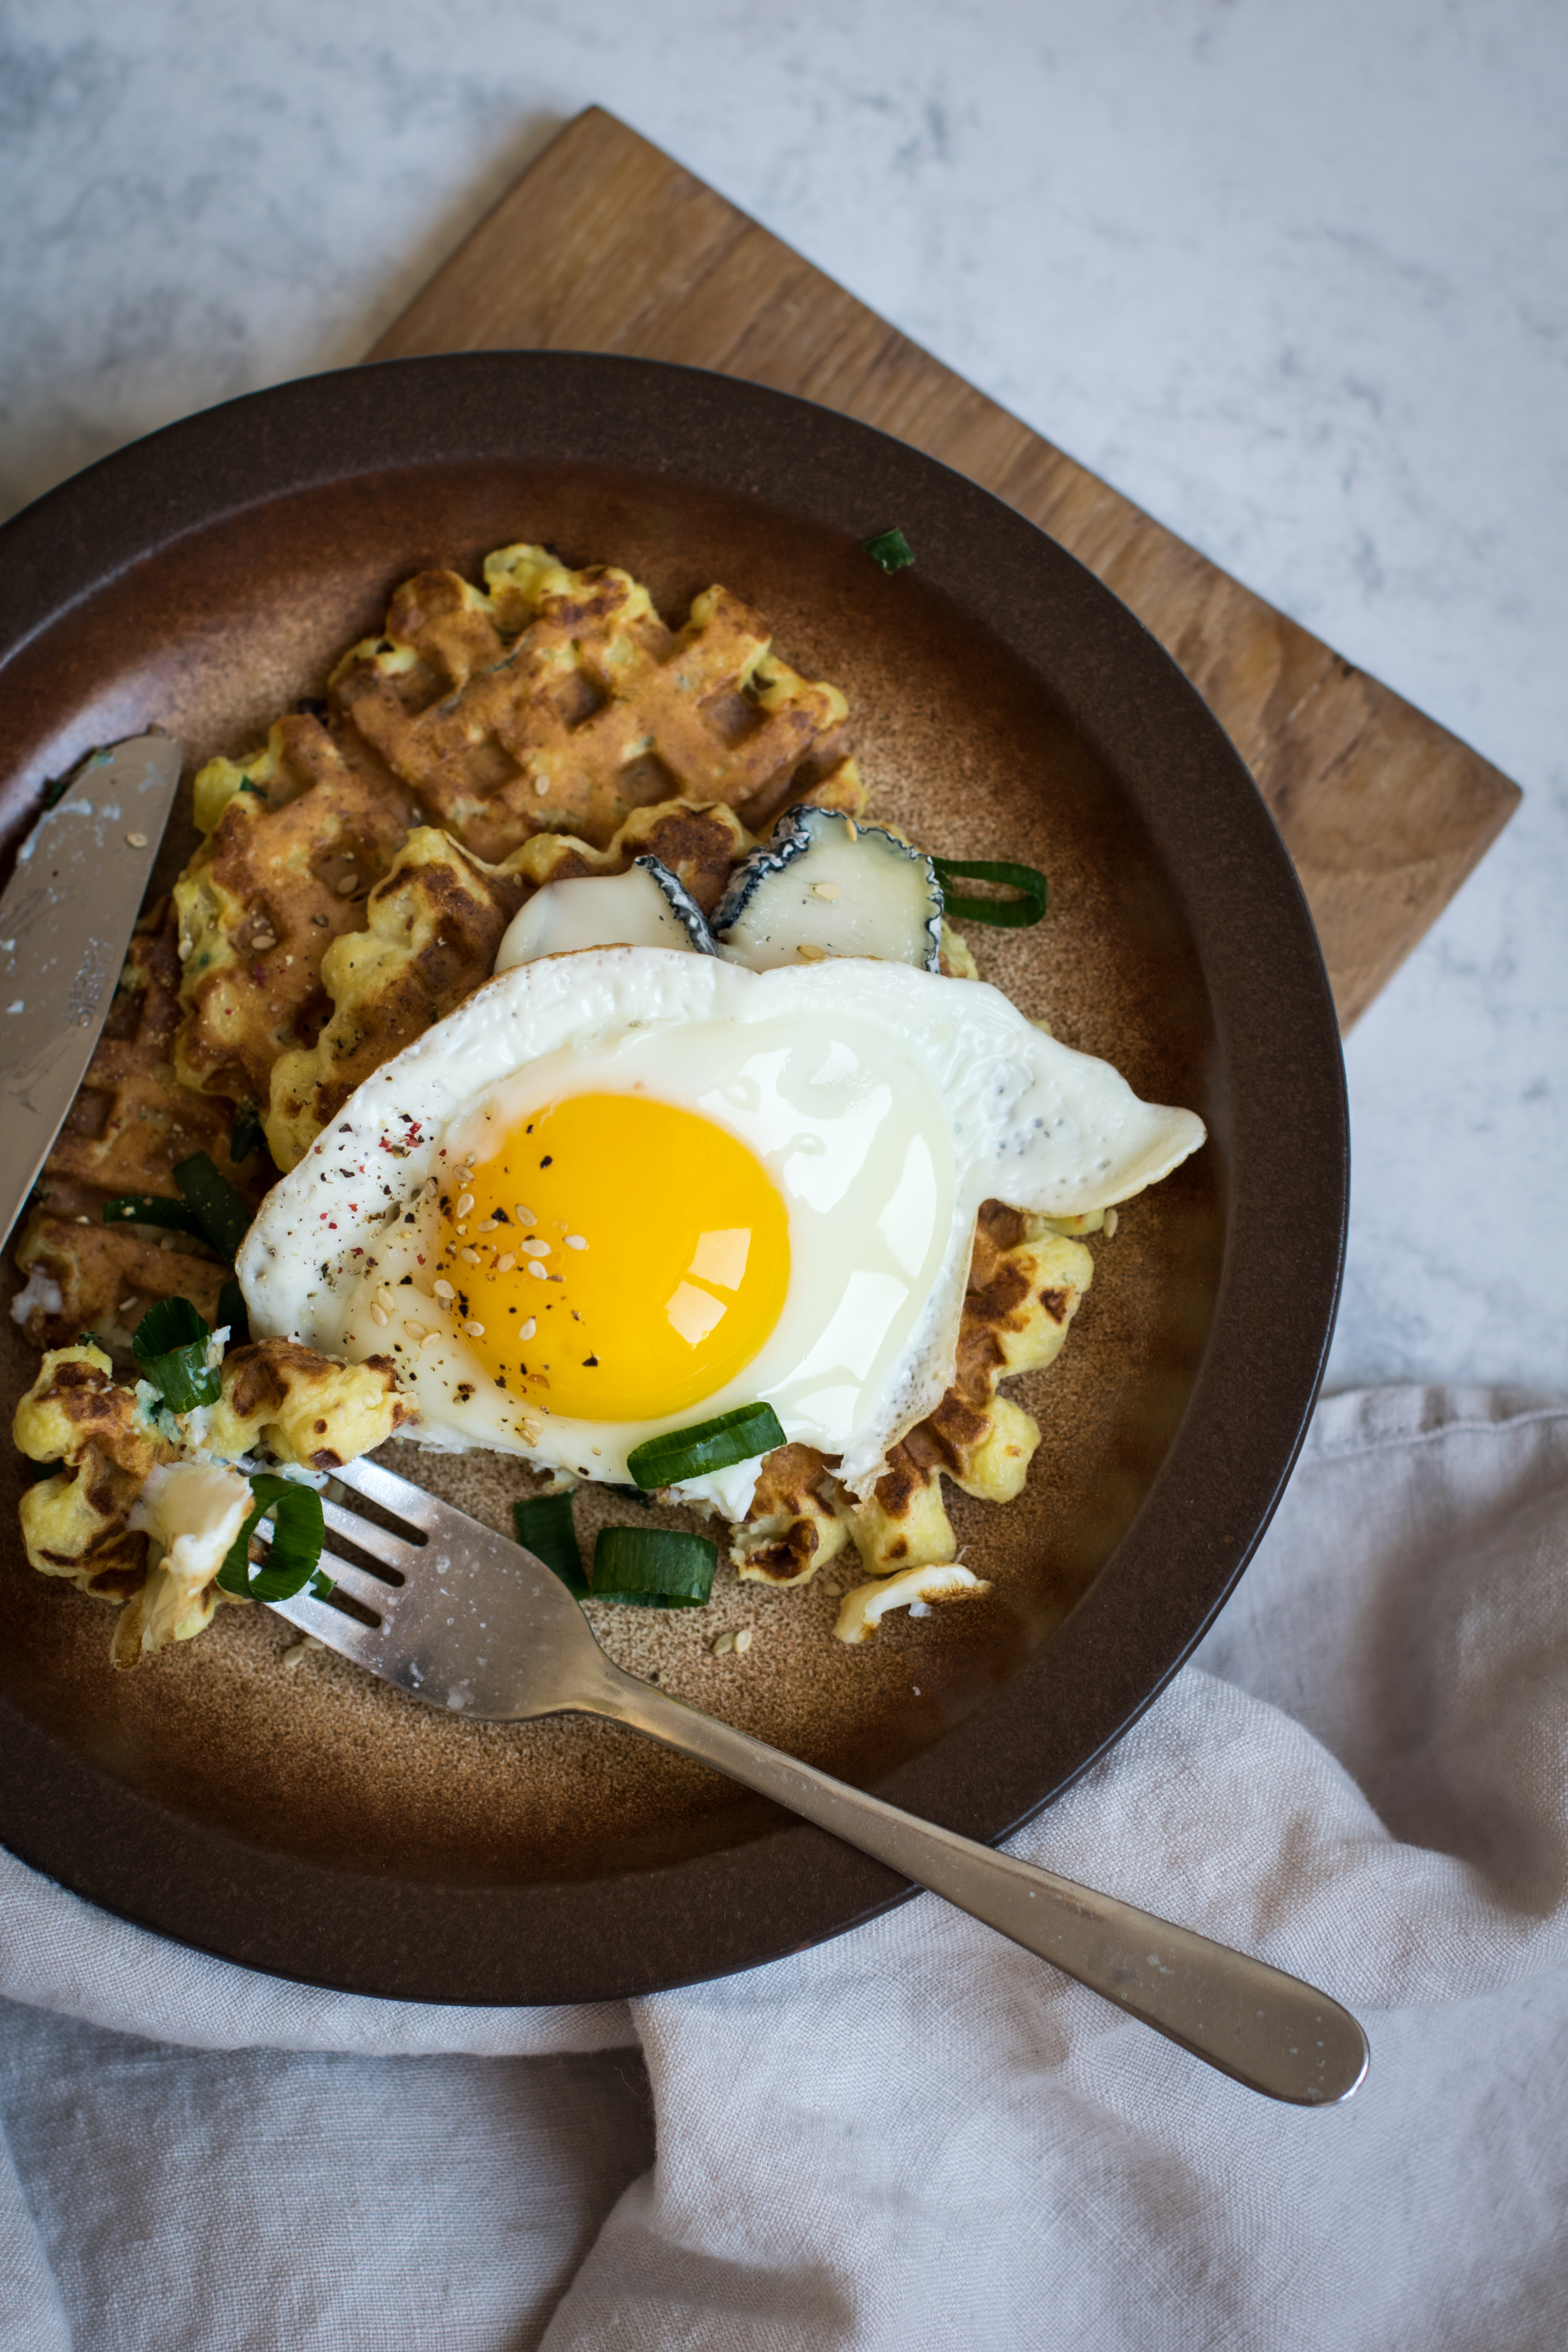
[
  {"x": 170, "y": 1343},
  {"x": 149, "y": 1209},
  {"x": 890, "y": 550},
  {"x": 221, "y": 1214},
  {"x": 245, "y": 1132},
  {"x": 231, "y": 1310},
  {"x": 1008, "y": 914},
  {"x": 544, "y": 1526},
  {"x": 682, "y": 1453},
  {"x": 299, "y": 1532},
  {"x": 653, "y": 1568}
]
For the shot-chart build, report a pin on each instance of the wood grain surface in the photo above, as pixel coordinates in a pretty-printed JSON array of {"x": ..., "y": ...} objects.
[{"x": 605, "y": 244}]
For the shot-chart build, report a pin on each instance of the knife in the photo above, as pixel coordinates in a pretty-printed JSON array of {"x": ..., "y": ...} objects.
[{"x": 66, "y": 921}]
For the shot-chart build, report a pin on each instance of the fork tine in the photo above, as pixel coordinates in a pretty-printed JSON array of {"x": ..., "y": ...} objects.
[
  {"x": 401, "y": 1558},
  {"x": 397, "y": 1495},
  {"x": 359, "y": 1583}
]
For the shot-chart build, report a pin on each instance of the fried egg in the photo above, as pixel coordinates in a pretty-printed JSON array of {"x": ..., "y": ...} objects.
[{"x": 622, "y": 1190}]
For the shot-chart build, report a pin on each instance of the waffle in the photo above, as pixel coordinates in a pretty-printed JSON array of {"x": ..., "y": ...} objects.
[
  {"x": 296, "y": 837},
  {"x": 1025, "y": 1280},
  {"x": 559, "y": 701},
  {"x": 74, "y": 1523},
  {"x": 305, "y": 1407},
  {"x": 436, "y": 922},
  {"x": 128, "y": 1128}
]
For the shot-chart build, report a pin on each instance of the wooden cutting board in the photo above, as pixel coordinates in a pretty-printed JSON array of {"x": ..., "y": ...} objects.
[{"x": 605, "y": 244}]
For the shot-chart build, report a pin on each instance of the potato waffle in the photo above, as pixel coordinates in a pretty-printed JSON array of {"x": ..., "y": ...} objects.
[
  {"x": 1025, "y": 1282},
  {"x": 436, "y": 922},
  {"x": 306, "y": 1408},
  {"x": 559, "y": 700},
  {"x": 296, "y": 838},
  {"x": 130, "y": 1127}
]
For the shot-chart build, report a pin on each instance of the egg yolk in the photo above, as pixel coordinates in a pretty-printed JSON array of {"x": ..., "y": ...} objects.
[{"x": 617, "y": 1259}]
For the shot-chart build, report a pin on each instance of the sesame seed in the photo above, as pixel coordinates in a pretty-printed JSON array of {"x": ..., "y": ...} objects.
[
  {"x": 475, "y": 1331},
  {"x": 380, "y": 1318},
  {"x": 470, "y": 1256},
  {"x": 489, "y": 1227},
  {"x": 1111, "y": 1222},
  {"x": 462, "y": 1175},
  {"x": 528, "y": 1330},
  {"x": 575, "y": 1241},
  {"x": 542, "y": 786},
  {"x": 743, "y": 1640},
  {"x": 347, "y": 886},
  {"x": 524, "y": 1216},
  {"x": 319, "y": 921},
  {"x": 536, "y": 1249},
  {"x": 465, "y": 1204},
  {"x": 429, "y": 1340},
  {"x": 723, "y": 1645},
  {"x": 504, "y": 1265},
  {"x": 443, "y": 1289},
  {"x": 825, "y": 889},
  {"x": 851, "y": 828},
  {"x": 537, "y": 1270},
  {"x": 808, "y": 954},
  {"x": 415, "y": 1331},
  {"x": 137, "y": 840},
  {"x": 431, "y": 1188},
  {"x": 383, "y": 1298}
]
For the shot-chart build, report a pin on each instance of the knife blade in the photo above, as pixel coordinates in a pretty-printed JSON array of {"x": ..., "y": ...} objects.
[{"x": 66, "y": 921}]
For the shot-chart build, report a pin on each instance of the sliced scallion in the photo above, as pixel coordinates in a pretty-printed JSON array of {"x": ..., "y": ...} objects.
[
  {"x": 231, "y": 1310},
  {"x": 221, "y": 1214},
  {"x": 149, "y": 1209},
  {"x": 653, "y": 1568},
  {"x": 544, "y": 1526},
  {"x": 890, "y": 550},
  {"x": 170, "y": 1343},
  {"x": 245, "y": 1132},
  {"x": 299, "y": 1532},
  {"x": 1008, "y": 914},
  {"x": 682, "y": 1453}
]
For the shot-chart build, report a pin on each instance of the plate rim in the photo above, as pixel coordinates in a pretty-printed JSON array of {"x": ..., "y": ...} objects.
[{"x": 793, "y": 1886}]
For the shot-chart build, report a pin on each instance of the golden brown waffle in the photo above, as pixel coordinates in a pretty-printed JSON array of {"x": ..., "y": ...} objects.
[
  {"x": 1025, "y": 1280},
  {"x": 305, "y": 1407},
  {"x": 74, "y": 1523},
  {"x": 559, "y": 701},
  {"x": 435, "y": 924},
  {"x": 297, "y": 838},
  {"x": 127, "y": 1131}
]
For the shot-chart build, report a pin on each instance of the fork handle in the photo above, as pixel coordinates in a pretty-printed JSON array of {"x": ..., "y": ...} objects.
[{"x": 1252, "y": 2022}]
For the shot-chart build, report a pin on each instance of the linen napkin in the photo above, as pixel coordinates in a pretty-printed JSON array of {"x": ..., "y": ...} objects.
[{"x": 916, "y": 2135}]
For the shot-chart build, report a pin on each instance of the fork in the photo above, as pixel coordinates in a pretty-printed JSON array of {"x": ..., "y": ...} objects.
[{"x": 461, "y": 1618}]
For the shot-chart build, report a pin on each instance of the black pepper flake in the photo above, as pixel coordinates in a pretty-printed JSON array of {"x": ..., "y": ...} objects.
[
  {"x": 589, "y": 1362},
  {"x": 548, "y": 1161}
]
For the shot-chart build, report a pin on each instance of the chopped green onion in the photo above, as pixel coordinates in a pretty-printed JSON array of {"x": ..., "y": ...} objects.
[
  {"x": 245, "y": 1132},
  {"x": 683, "y": 1453},
  {"x": 170, "y": 1343},
  {"x": 231, "y": 1309},
  {"x": 1008, "y": 914},
  {"x": 223, "y": 1215},
  {"x": 299, "y": 1532},
  {"x": 149, "y": 1209},
  {"x": 654, "y": 1568},
  {"x": 889, "y": 548},
  {"x": 545, "y": 1527}
]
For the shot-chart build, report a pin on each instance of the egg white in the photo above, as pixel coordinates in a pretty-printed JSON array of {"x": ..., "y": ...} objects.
[{"x": 887, "y": 1103}]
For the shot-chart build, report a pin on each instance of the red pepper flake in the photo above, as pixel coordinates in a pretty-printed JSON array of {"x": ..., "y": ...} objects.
[{"x": 331, "y": 1229}]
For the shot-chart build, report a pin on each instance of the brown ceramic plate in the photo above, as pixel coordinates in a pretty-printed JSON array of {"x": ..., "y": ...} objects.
[{"x": 315, "y": 1823}]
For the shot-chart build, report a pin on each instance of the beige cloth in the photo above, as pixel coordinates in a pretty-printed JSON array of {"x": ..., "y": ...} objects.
[{"x": 917, "y": 2135}]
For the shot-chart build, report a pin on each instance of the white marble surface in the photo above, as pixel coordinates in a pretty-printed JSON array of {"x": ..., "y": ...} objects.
[{"x": 1295, "y": 278}]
